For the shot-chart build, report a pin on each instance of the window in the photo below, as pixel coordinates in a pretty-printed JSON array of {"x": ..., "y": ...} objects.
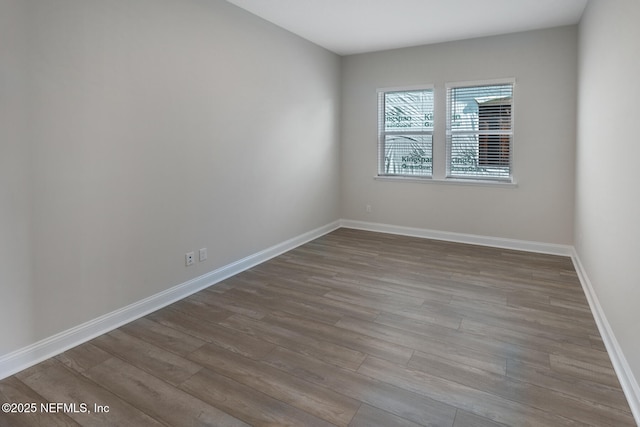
[
  {"x": 479, "y": 131},
  {"x": 405, "y": 133},
  {"x": 473, "y": 141}
]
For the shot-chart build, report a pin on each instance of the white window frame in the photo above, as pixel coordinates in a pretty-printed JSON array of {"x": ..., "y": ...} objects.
[
  {"x": 382, "y": 133},
  {"x": 482, "y": 177}
]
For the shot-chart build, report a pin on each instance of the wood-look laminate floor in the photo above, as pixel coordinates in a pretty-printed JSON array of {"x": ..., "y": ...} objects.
[{"x": 353, "y": 329}]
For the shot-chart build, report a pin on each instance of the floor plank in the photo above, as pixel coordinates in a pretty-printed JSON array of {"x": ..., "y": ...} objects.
[
  {"x": 590, "y": 391},
  {"x": 224, "y": 337},
  {"x": 296, "y": 341},
  {"x": 321, "y": 402},
  {"x": 466, "y": 419},
  {"x": 14, "y": 391},
  {"x": 161, "y": 363},
  {"x": 157, "y": 398},
  {"x": 486, "y": 404},
  {"x": 246, "y": 403},
  {"x": 368, "y": 416},
  {"x": 395, "y": 400},
  {"x": 58, "y": 384},
  {"x": 162, "y": 336},
  {"x": 344, "y": 337}
]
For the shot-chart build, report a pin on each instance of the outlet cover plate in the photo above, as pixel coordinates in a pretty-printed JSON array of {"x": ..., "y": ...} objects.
[{"x": 189, "y": 258}]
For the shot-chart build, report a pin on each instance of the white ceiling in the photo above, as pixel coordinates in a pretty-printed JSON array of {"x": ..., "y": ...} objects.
[{"x": 356, "y": 26}]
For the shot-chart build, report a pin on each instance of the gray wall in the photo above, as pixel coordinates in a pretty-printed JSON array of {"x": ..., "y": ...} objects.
[
  {"x": 148, "y": 129},
  {"x": 16, "y": 312},
  {"x": 607, "y": 226},
  {"x": 541, "y": 207}
]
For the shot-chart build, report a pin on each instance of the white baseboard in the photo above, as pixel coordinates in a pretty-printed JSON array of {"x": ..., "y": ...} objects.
[
  {"x": 628, "y": 382},
  {"x": 35, "y": 353},
  {"x": 472, "y": 239}
]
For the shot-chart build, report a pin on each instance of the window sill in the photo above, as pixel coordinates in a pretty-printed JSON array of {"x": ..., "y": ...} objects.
[{"x": 449, "y": 181}]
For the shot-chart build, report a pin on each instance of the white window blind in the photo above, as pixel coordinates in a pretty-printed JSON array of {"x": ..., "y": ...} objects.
[
  {"x": 480, "y": 131},
  {"x": 405, "y": 132}
]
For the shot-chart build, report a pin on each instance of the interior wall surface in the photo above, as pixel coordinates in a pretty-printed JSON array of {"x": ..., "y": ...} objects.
[
  {"x": 540, "y": 207},
  {"x": 16, "y": 293},
  {"x": 156, "y": 128},
  {"x": 607, "y": 226}
]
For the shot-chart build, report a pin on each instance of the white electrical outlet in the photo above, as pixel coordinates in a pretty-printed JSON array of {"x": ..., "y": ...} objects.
[
  {"x": 368, "y": 208},
  {"x": 202, "y": 254},
  {"x": 189, "y": 258}
]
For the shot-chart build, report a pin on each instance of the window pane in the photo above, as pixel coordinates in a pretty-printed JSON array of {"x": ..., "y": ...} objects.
[
  {"x": 410, "y": 111},
  {"x": 468, "y": 159},
  {"x": 465, "y": 104},
  {"x": 493, "y": 150},
  {"x": 408, "y": 155}
]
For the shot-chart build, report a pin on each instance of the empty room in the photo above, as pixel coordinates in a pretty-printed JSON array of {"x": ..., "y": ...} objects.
[{"x": 319, "y": 213}]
